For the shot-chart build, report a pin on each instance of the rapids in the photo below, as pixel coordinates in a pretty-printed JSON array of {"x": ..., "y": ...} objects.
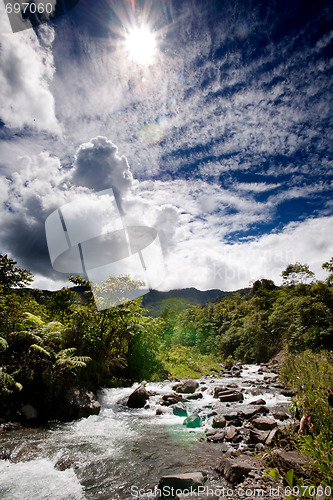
[{"x": 114, "y": 454}]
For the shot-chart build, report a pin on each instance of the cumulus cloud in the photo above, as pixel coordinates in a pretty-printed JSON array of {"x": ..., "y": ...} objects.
[
  {"x": 98, "y": 166},
  {"x": 26, "y": 70}
]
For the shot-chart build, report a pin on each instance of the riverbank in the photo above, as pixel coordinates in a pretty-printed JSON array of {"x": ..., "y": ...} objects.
[{"x": 104, "y": 456}]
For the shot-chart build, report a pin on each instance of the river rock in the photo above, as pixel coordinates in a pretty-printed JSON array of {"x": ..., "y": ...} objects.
[
  {"x": 231, "y": 433},
  {"x": 219, "y": 422},
  {"x": 171, "y": 399},
  {"x": 196, "y": 395},
  {"x": 288, "y": 392},
  {"x": 80, "y": 403},
  {"x": 30, "y": 412},
  {"x": 187, "y": 387},
  {"x": 247, "y": 412},
  {"x": 263, "y": 423},
  {"x": 179, "y": 410},
  {"x": 272, "y": 435},
  {"x": 231, "y": 396},
  {"x": 138, "y": 397},
  {"x": 64, "y": 463},
  {"x": 169, "y": 484},
  {"x": 159, "y": 411},
  {"x": 280, "y": 415},
  {"x": 257, "y": 436},
  {"x": 192, "y": 421},
  {"x": 258, "y": 402},
  {"x": 236, "y": 469},
  {"x": 287, "y": 460},
  {"x": 215, "y": 436}
]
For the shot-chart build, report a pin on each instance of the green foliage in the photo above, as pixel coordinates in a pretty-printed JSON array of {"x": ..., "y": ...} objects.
[
  {"x": 297, "y": 273},
  {"x": 328, "y": 266},
  {"x": 11, "y": 275},
  {"x": 320, "y": 451}
]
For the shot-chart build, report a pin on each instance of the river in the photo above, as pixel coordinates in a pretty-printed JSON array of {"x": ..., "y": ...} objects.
[{"x": 121, "y": 450}]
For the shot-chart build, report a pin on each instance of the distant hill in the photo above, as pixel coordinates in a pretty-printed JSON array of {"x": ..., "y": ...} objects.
[
  {"x": 155, "y": 302},
  {"x": 179, "y": 300}
]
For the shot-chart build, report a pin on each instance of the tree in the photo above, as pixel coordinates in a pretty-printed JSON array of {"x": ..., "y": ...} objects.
[
  {"x": 297, "y": 273},
  {"x": 13, "y": 276},
  {"x": 328, "y": 266}
]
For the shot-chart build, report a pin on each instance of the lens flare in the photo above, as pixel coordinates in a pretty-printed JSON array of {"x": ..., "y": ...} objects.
[{"x": 140, "y": 44}]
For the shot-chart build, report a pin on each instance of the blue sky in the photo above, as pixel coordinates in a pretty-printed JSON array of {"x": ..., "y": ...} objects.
[{"x": 227, "y": 132}]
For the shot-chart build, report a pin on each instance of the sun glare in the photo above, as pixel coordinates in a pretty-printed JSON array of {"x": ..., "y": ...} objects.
[{"x": 141, "y": 45}]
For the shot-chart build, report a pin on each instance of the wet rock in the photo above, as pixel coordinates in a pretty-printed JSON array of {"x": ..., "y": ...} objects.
[
  {"x": 231, "y": 433},
  {"x": 231, "y": 416},
  {"x": 219, "y": 422},
  {"x": 192, "y": 421},
  {"x": 236, "y": 469},
  {"x": 257, "y": 436},
  {"x": 64, "y": 463},
  {"x": 272, "y": 435},
  {"x": 280, "y": 415},
  {"x": 259, "y": 447},
  {"x": 171, "y": 399},
  {"x": 187, "y": 387},
  {"x": 258, "y": 402},
  {"x": 215, "y": 436},
  {"x": 138, "y": 397},
  {"x": 79, "y": 403},
  {"x": 288, "y": 392},
  {"x": 264, "y": 423},
  {"x": 5, "y": 454},
  {"x": 169, "y": 484},
  {"x": 231, "y": 396},
  {"x": 30, "y": 412},
  {"x": 159, "y": 411},
  {"x": 247, "y": 412},
  {"x": 197, "y": 395},
  {"x": 179, "y": 410},
  {"x": 236, "y": 422},
  {"x": 10, "y": 426}
]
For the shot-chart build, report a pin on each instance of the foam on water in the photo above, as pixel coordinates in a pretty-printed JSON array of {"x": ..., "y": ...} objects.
[{"x": 38, "y": 480}]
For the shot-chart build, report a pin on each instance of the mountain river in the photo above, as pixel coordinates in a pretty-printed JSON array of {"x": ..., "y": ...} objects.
[{"x": 115, "y": 454}]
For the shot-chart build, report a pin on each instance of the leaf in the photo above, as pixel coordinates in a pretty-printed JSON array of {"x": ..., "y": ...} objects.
[
  {"x": 40, "y": 349},
  {"x": 274, "y": 474},
  {"x": 289, "y": 477},
  {"x": 3, "y": 344}
]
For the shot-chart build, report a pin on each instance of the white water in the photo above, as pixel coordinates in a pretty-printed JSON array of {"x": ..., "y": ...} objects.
[{"x": 120, "y": 448}]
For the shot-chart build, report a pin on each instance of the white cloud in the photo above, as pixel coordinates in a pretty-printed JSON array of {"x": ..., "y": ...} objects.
[{"x": 26, "y": 69}]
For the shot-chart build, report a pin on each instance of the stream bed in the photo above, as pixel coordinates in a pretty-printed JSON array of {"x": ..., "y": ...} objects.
[{"x": 115, "y": 454}]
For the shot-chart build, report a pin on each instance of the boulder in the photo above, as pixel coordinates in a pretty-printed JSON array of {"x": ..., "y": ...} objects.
[
  {"x": 215, "y": 436},
  {"x": 192, "y": 421},
  {"x": 138, "y": 397},
  {"x": 159, "y": 411},
  {"x": 80, "y": 403},
  {"x": 258, "y": 402},
  {"x": 231, "y": 396},
  {"x": 171, "y": 399},
  {"x": 30, "y": 412},
  {"x": 287, "y": 460},
  {"x": 247, "y": 412},
  {"x": 231, "y": 433},
  {"x": 236, "y": 469},
  {"x": 219, "y": 422},
  {"x": 197, "y": 395},
  {"x": 187, "y": 387},
  {"x": 288, "y": 392},
  {"x": 271, "y": 436},
  {"x": 179, "y": 410},
  {"x": 168, "y": 485},
  {"x": 257, "y": 436},
  {"x": 264, "y": 423},
  {"x": 280, "y": 415}
]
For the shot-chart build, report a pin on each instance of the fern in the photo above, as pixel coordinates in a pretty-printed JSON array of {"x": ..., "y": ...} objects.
[
  {"x": 8, "y": 380},
  {"x": 3, "y": 344},
  {"x": 40, "y": 349}
]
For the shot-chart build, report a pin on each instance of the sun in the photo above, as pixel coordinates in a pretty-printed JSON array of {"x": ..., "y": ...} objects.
[{"x": 140, "y": 44}]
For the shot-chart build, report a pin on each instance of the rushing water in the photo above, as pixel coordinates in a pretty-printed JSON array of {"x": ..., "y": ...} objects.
[{"x": 120, "y": 450}]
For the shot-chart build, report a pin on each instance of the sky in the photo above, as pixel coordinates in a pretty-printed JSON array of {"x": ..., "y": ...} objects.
[{"x": 213, "y": 126}]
